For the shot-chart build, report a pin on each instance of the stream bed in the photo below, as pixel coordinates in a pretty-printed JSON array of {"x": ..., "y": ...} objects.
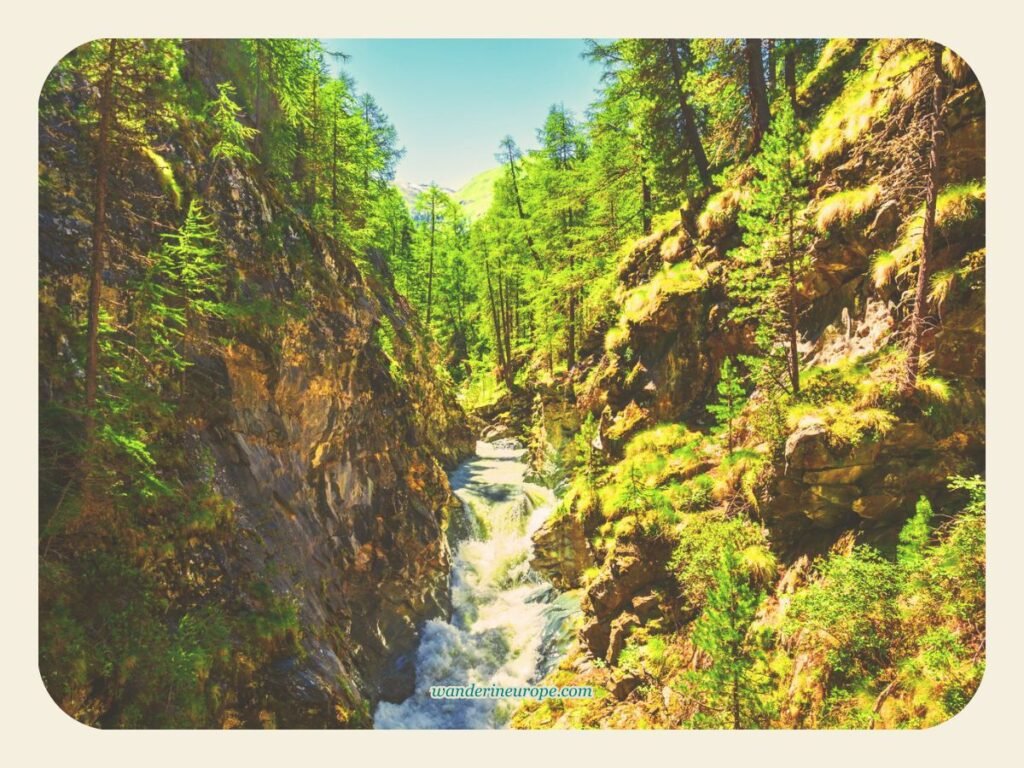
[{"x": 509, "y": 626}]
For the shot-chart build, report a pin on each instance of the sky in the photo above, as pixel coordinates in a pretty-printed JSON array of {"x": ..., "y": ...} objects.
[{"x": 453, "y": 100}]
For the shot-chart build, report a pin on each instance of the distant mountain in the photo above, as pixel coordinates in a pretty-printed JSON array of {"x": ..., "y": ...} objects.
[
  {"x": 410, "y": 190},
  {"x": 475, "y": 195}
]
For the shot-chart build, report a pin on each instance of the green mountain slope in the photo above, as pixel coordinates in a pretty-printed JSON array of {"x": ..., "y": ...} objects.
[{"x": 476, "y": 194}]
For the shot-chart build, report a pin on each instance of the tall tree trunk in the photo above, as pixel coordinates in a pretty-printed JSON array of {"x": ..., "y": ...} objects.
[
  {"x": 334, "y": 176},
  {"x": 570, "y": 350},
  {"x": 507, "y": 317},
  {"x": 759, "y": 115},
  {"x": 519, "y": 201},
  {"x": 430, "y": 268},
  {"x": 515, "y": 181},
  {"x": 789, "y": 65},
  {"x": 794, "y": 352},
  {"x": 502, "y": 306},
  {"x": 772, "y": 65},
  {"x": 99, "y": 238},
  {"x": 645, "y": 196},
  {"x": 918, "y": 319},
  {"x": 690, "y": 127}
]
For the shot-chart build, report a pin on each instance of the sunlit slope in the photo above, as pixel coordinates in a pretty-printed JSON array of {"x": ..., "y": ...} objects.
[{"x": 476, "y": 194}]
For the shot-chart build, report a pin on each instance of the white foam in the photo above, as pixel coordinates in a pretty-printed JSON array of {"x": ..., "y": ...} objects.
[{"x": 497, "y": 632}]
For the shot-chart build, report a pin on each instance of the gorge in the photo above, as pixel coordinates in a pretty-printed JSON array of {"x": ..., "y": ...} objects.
[{"x": 689, "y": 408}]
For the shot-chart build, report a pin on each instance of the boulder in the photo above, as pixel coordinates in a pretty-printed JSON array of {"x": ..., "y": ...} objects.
[
  {"x": 646, "y": 607},
  {"x": 622, "y": 684},
  {"x": 595, "y": 636},
  {"x": 620, "y": 631},
  {"x": 561, "y": 551},
  {"x": 808, "y": 448},
  {"x": 622, "y": 577},
  {"x": 876, "y": 506}
]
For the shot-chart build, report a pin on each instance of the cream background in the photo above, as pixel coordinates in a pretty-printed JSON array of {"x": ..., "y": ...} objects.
[{"x": 36, "y": 732}]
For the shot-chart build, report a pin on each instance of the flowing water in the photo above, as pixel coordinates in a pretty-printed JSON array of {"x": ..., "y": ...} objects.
[{"x": 508, "y": 625}]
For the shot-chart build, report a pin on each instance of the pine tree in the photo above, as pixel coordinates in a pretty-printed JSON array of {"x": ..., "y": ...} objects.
[
  {"x": 765, "y": 281},
  {"x": 182, "y": 289},
  {"x": 233, "y": 135},
  {"x": 730, "y": 400},
  {"x": 732, "y": 688},
  {"x": 914, "y": 535},
  {"x": 127, "y": 81}
]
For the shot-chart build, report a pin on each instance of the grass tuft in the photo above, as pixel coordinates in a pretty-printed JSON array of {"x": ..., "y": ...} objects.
[
  {"x": 843, "y": 208},
  {"x": 868, "y": 96}
]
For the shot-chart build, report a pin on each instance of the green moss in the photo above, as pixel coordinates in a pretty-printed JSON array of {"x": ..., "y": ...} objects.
[
  {"x": 958, "y": 204},
  {"x": 721, "y": 210},
  {"x": 644, "y": 655},
  {"x": 675, "y": 280},
  {"x": 165, "y": 173},
  {"x": 830, "y": 62},
  {"x": 845, "y": 423},
  {"x": 616, "y": 338}
]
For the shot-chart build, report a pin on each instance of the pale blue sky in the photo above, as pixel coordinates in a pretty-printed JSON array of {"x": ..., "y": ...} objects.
[{"x": 453, "y": 100}]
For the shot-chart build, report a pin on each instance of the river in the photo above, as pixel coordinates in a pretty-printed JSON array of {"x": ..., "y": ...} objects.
[{"x": 509, "y": 626}]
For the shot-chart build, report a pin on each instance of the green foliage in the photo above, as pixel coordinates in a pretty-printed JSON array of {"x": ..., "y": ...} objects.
[
  {"x": 649, "y": 658},
  {"x": 701, "y": 540},
  {"x": 851, "y": 608},
  {"x": 696, "y": 494},
  {"x": 914, "y": 536},
  {"x": 588, "y": 453},
  {"x": 675, "y": 280},
  {"x": 732, "y": 689},
  {"x": 233, "y": 136},
  {"x": 731, "y": 399},
  {"x": 868, "y": 95},
  {"x": 765, "y": 276},
  {"x": 166, "y": 175},
  {"x": 957, "y": 205},
  {"x": 902, "y": 642}
]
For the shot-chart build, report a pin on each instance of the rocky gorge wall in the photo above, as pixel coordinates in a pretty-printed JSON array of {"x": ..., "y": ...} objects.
[
  {"x": 661, "y": 358},
  {"x": 328, "y": 445}
]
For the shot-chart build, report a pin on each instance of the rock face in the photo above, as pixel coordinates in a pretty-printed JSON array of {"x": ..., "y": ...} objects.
[
  {"x": 332, "y": 458},
  {"x": 827, "y": 486},
  {"x": 341, "y": 499},
  {"x": 337, "y": 471},
  {"x": 623, "y": 596},
  {"x": 561, "y": 551}
]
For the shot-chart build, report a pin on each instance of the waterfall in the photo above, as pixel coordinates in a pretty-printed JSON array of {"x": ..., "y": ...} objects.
[{"x": 508, "y": 625}]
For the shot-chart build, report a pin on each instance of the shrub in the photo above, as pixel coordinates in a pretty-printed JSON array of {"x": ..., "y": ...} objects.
[{"x": 701, "y": 539}]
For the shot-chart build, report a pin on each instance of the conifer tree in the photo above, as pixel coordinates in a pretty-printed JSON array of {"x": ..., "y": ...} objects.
[
  {"x": 765, "y": 279},
  {"x": 730, "y": 400},
  {"x": 233, "y": 135},
  {"x": 733, "y": 686},
  {"x": 126, "y": 79}
]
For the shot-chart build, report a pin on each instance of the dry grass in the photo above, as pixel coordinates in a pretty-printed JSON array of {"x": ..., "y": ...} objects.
[
  {"x": 843, "y": 208},
  {"x": 890, "y": 74}
]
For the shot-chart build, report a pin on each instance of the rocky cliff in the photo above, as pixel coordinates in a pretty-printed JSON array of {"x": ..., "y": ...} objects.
[
  {"x": 847, "y": 465},
  {"x": 314, "y": 421}
]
